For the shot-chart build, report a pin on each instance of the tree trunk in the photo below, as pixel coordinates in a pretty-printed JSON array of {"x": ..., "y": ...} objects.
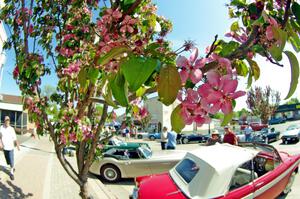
[{"x": 84, "y": 194}]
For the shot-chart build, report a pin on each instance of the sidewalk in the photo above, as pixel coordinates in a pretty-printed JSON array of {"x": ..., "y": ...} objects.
[{"x": 39, "y": 175}]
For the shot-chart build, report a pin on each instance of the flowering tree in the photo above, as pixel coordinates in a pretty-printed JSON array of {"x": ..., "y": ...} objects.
[
  {"x": 111, "y": 53},
  {"x": 263, "y": 103}
]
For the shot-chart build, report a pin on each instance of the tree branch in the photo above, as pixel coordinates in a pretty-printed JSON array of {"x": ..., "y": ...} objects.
[
  {"x": 271, "y": 60},
  {"x": 286, "y": 13},
  {"x": 212, "y": 47},
  {"x": 132, "y": 8}
]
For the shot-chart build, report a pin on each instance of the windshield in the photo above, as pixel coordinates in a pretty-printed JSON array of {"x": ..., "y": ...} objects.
[
  {"x": 117, "y": 142},
  {"x": 187, "y": 169},
  {"x": 146, "y": 152},
  {"x": 292, "y": 127}
]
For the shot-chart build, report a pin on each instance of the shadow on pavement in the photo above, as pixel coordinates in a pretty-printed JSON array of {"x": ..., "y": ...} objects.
[
  {"x": 12, "y": 191},
  {"x": 33, "y": 148},
  {"x": 5, "y": 170},
  {"x": 123, "y": 181}
]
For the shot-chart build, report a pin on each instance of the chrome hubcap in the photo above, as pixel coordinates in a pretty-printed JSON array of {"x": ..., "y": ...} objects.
[{"x": 110, "y": 174}]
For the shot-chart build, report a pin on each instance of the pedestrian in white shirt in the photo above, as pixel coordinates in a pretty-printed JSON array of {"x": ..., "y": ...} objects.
[
  {"x": 8, "y": 141},
  {"x": 164, "y": 138}
]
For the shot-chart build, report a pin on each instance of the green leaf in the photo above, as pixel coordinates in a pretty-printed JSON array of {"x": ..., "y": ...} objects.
[
  {"x": 93, "y": 75},
  {"x": 82, "y": 78},
  {"x": 113, "y": 53},
  {"x": 141, "y": 91},
  {"x": 293, "y": 37},
  {"x": 177, "y": 121},
  {"x": 126, "y": 2},
  {"x": 239, "y": 3},
  {"x": 254, "y": 68},
  {"x": 241, "y": 67},
  {"x": 235, "y": 26},
  {"x": 294, "y": 73},
  {"x": 276, "y": 52},
  {"x": 227, "y": 118},
  {"x": 119, "y": 89},
  {"x": 107, "y": 92},
  {"x": 137, "y": 70},
  {"x": 296, "y": 11},
  {"x": 228, "y": 48},
  {"x": 169, "y": 83},
  {"x": 276, "y": 49},
  {"x": 249, "y": 82}
]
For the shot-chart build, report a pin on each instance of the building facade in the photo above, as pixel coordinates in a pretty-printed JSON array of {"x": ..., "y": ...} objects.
[{"x": 290, "y": 111}]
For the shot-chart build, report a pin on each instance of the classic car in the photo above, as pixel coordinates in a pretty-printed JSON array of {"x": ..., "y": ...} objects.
[
  {"x": 194, "y": 137},
  {"x": 292, "y": 134},
  {"x": 266, "y": 135},
  {"x": 256, "y": 126},
  {"x": 251, "y": 170},
  {"x": 277, "y": 120},
  {"x": 141, "y": 135},
  {"x": 153, "y": 136},
  {"x": 130, "y": 163},
  {"x": 120, "y": 144}
]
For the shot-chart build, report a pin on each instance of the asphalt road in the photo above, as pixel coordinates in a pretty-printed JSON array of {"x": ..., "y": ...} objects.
[{"x": 124, "y": 188}]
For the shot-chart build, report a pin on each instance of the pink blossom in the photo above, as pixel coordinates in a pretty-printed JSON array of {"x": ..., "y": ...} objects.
[
  {"x": 30, "y": 29},
  {"x": 220, "y": 91},
  {"x": 190, "y": 67},
  {"x": 72, "y": 69},
  {"x": 63, "y": 138},
  {"x": 73, "y": 137},
  {"x": 224, "y": 63},
  {"x": 66, "y": 52},
  {"x": 127, "y": 24},
  {"x": 269, "y": 30},
  {"x": 69, "y": 36}
]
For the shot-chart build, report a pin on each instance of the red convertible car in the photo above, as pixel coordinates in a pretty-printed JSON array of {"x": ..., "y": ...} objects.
[
  {"x": 224, "y": 171},
  {"x": 256, "y": 126}
]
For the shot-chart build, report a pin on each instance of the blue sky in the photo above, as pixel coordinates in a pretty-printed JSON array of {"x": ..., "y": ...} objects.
[{"x": 195, "y": 20}]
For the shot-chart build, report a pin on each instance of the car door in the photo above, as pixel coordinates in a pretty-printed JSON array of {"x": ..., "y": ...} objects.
[
  {"x": 136, "y": 166},
  {"x": 161, "y": 165},
  {"x": 272, "y": 183},
  {"x": 241, "y": 185}
]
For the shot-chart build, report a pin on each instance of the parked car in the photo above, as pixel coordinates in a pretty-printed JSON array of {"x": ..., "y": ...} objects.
[
  {"x": 194, "y": 137},
  {"x": 240, "y": 136},
  {"x": 292, "y": 134},
  {"x": 256, "y": 126},
  {"x": 277, "y": 120},
  {"x": 141, "y": 135},
  {"x": 120, "y": 144},
  {"x": 251, "y": 170},
  {"x": 266, "y": 136},
  {"x": 153, "y": 136},
  {"x": 123, "y": 163}
]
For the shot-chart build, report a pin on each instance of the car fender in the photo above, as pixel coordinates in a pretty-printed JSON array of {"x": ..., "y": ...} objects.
[{"x": 98, "y": 164}]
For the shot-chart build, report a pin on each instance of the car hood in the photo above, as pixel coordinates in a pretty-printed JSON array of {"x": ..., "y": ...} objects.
[
  {"x": 169, "y": 154},
  {"x": 167, "y": 188},
  {"x": 291, "y": 132}
]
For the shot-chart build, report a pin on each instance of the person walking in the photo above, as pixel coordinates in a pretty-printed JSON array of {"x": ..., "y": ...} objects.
[
  {"x": 248, "y": 133},
  {"x": 164, "y": 138},
  {"x": 171, "y": 136},
  {"x": 229, "y": 136},
  {"x": 8, "y": 140}
]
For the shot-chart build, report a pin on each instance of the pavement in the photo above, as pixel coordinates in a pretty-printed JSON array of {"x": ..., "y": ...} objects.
[{"x": 39, "y": 174}]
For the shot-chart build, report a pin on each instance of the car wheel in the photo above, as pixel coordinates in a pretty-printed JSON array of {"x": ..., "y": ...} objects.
[
  {"x": 110, "y": 173},
  {"x": 185, "y": 141},
  {"x": 140, "y": 137},
  {"x": 289, "y": 184},
  {"x": 152, "y": 138}
]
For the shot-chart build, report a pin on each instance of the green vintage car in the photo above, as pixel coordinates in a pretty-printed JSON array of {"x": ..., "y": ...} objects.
[{"x": 120, "y": 144}]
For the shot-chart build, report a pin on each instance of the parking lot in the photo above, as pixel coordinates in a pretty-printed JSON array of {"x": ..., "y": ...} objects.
[{"x": 124, "y": 188}]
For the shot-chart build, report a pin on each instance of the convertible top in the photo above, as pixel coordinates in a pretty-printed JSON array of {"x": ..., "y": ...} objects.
[{"x": 217, "y": 165}]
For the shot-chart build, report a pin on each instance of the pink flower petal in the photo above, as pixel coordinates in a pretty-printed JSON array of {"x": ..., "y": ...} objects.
[
  {"x": 229, "y": 86},
  {"x": 184, "y": 75},
  {"x": 227, "y": 107},
  {"x": 214, "y": 97},
  {"x": 200, "y": 63},
  {"x": 181, "y": 95},
  {"x": 269, "y": 33},
  {"x": 224, "y": 62},
  {"x": 215, "y": 108},
  {"x": 194, "y": 55},
  {"x": 182, "y": 61},
  {"x": 199, "y": 111},
  {"x": 192, "y": 96},
  {"x": 196, "y": 76},
  {"x": 213, "y": 78},
  {"x": 199, "y": 120},
  {"x": 205, "y": 89},
  {"x": 238, "y": 94}
]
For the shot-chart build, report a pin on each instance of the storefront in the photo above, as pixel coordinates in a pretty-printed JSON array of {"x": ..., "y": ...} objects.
[{"x": 290, "y": 112}]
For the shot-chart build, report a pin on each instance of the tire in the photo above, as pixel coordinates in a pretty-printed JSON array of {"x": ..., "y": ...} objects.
[
  {"x": 152, "y": 138},
  {"x": 110, "y": 173},
  {"x": 289, "y": 184},
  {"x": 185, "y": 140},
  {"x": 140, "y": 137}
]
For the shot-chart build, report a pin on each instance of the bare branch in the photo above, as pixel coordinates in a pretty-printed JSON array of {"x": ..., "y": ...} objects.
[
  {"x": 271, "y": 59},
  {"x": 212, "y": 47},
  {"x": 286, "y": 13}
]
